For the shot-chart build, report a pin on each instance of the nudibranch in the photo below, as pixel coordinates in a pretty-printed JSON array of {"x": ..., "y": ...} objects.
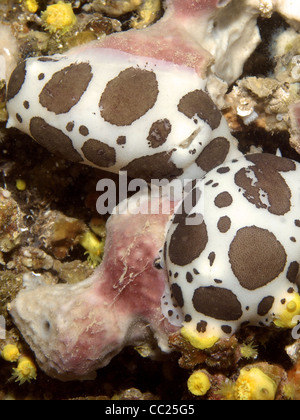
[
  {"x": 232, "y": 249},
  {"x": 134, "y": 102}
]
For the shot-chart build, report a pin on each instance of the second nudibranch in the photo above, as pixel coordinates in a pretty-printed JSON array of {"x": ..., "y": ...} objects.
[{"x": 232, "y": 249}]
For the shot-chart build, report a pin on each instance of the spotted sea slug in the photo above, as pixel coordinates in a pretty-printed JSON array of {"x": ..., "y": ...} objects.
[
  {"x": 232, "y": 249},
  {"x": 135, "y": 102}
]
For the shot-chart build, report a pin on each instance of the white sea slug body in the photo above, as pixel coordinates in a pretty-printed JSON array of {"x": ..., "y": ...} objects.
[
  {"x": 232, "y": 248},
  {"x": 117, "y": 111}
]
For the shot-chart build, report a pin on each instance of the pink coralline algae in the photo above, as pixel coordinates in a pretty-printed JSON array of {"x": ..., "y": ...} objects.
[
  {"x": 176, "y": 38},
  {"x": 76, "y": 329}
]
